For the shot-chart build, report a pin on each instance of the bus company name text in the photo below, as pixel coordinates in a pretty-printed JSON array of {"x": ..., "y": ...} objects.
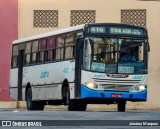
[
  {"x": 99, "y": 76},
  {"x": 44, "y": 74}
]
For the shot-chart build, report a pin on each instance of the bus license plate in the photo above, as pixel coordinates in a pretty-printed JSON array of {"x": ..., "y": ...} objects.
[{"x": 116, "y": 95}]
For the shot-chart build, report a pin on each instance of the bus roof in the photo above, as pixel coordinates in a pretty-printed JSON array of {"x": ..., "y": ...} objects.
[
  {"x": 118, "y": 24},
  {"x": 70, "y": 29},
  {"x": 61, "y": 31}
]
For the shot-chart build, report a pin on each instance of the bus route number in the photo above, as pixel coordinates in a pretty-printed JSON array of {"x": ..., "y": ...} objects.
[{"x": 97, "y": 29}]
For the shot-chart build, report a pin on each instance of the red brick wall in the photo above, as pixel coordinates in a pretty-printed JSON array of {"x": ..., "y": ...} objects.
[{"x": 8, "y": 33}]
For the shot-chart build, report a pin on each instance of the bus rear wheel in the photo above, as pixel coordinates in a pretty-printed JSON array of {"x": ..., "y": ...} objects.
[
  {"x": 33, "y": 105},
  {"x": 121, "y": 106}
]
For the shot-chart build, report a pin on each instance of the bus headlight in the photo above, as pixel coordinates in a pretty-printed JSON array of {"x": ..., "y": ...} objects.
[
  {"x": 138, "y": 88},
  {"x": 142, "y": 88},
  {"x": 91, "y": 85}
]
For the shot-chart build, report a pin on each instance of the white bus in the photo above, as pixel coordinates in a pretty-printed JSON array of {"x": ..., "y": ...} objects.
[{"x": 100, "y": 63}]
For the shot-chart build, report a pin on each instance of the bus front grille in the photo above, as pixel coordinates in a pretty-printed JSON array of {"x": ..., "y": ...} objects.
[{"x": 116, "y": 85}]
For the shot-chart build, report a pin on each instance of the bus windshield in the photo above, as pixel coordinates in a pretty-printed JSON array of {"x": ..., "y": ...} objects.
[{"x": 115, "y": 55}]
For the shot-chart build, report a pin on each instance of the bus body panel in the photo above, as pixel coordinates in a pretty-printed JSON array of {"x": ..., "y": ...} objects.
[
  {"x": 46, "y": 80},
  {"x": 14, "y": 77}
]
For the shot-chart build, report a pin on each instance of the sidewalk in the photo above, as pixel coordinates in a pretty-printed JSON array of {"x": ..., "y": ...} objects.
[
  {"x": 22, "y": 105},
  {"x": 8, "y": 105},
  {"x": 99, "y": 107}
]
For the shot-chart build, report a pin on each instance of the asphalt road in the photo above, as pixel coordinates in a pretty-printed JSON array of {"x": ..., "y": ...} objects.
[{"x": 80, "y": 120}]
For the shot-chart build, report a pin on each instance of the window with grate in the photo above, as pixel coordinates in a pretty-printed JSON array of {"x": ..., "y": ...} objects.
[
  {"x": 45, "y": 19},
  {"x": 82, "y": 16},
  {"x": 134, "y": 17}
]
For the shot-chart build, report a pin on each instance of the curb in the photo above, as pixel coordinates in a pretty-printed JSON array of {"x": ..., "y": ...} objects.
[
  {"x": 8, "y": 105},
  {"x": 96, "y": 107}
]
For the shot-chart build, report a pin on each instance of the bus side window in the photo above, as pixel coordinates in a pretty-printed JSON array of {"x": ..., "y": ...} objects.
[
  {"x": 42, "y": 49},
  {"x": 15, "y": 56},
  {"x": 50, "y": 56},
  {"x": 69, "y": 46},
  {"x": 34, "y": 51},
  {"x": 60, "y": 48},
  {"x": 79, "y": 34},
  {"x": 27, "y": 53}
]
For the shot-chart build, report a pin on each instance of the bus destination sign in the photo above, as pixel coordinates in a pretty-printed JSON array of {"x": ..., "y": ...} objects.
[
  {"x": 126, "y": 31},
  {"x": 97, "y": 29}
]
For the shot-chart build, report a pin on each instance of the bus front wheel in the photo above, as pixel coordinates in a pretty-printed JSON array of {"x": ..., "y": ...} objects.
[
  {"x": 75, "y": 105},
  {"x": 121, "y": 106},
  {"x": 81, "y": 105}
]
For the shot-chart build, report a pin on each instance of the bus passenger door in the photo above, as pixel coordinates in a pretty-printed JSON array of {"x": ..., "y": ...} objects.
[
  {"x": 20, "y": 73},
  {"x": 78, "y": 66}
]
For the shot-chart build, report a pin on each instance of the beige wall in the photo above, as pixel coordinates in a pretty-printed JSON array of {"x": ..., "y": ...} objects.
[{"x": 106, "y": 11}]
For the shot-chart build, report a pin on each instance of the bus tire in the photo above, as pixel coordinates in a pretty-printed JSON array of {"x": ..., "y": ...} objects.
[
  {"x": 71, "y": 105},
  {"x": 40, "y": 105},
  {"x": 81, "y": 106},
  {"x": 121, "y": 106},
  {"x": 71, "y": 102},
  {"x": 64, "y": 94},
  {"x": 33, "y": 105},
  {"x": 30, "y": 104}
]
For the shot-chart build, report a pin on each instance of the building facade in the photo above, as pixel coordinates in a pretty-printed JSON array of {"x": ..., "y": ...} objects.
[
  {"x": 8, "y": 33},
  {"x": 39, "y": 16}
]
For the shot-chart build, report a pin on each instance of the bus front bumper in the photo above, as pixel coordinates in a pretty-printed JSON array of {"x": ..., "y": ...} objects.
[{"x": 87, "y": 93}]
